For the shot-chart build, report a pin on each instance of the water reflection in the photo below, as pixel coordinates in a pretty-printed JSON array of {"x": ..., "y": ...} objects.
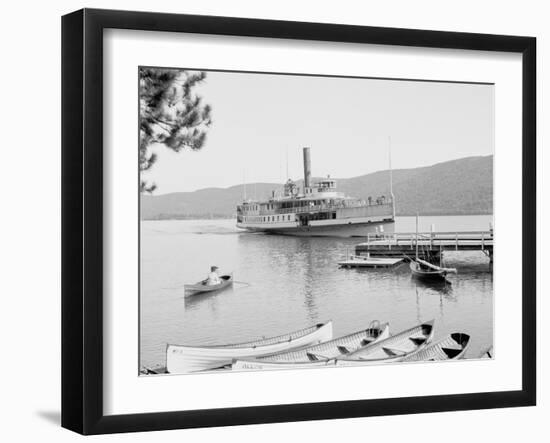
[
  {"x": 286, "y": 283},
  {"x": 439, "y": 286},
  {"x": 194, "y": 300}
]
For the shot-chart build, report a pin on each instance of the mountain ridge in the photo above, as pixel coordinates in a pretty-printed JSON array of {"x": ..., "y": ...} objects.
[{"x": 455, "y": 187}]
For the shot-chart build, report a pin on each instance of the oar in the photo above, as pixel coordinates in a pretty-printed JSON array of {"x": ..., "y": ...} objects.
[{"x": 242, "y": 282}]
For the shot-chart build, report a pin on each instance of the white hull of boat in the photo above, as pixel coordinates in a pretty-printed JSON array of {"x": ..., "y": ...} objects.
[
  {"x": 341, "y": 229},
  {"x": 258, "y": 365},
  {"x": 325, "y": 353},
  {"x": 185, "y": 359}
]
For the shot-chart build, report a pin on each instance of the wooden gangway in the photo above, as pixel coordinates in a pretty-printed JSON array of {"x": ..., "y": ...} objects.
[{"x": 429, "y": 243}]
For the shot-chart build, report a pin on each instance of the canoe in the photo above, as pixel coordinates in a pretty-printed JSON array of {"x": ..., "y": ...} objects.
[
  {"x": 393, "y": 348},
  {"x": 451, "y": 347},
  {"x": 201, "y": 286},
  {"x": 317, "y": 355},
  {"x": 182, "y": 359}
]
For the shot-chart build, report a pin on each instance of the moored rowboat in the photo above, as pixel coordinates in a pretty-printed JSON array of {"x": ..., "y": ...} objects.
[
  {"x": 182, "y": 359},
  {"x": 452, "y": 347},
  {"x": 426, "y": 270},
  {"x": 317, "y": 355},
  {"x": 201, "y": 286},
  {"x": 487, "y": 353},
  {"x": 392, "y": 349}
]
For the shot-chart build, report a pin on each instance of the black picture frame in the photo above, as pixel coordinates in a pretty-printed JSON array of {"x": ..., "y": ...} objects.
[{"x": 82, "y": 220}]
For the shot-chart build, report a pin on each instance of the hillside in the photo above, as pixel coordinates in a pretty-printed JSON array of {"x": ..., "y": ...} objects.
[{"x": 463, "y": 186}]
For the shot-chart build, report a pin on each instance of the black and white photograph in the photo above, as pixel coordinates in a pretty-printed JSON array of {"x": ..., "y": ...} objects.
[
  {"x": 301, "y": 221},
  {"x": 275, "y": 221}
]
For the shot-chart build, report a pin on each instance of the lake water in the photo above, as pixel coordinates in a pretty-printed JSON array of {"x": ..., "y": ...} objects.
[{"x": 287, "y": 283}]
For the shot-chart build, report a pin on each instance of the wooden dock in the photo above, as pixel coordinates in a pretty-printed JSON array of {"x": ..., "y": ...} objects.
[
  {"x": 365, "y": 261},
  {"x": 430, "y": 244}
]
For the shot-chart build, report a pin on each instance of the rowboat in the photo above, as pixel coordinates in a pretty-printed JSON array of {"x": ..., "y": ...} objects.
[
  {"x": 201, "y": 286},
  {"x": 157, "y": 370},
  {"x": 487, "y": 353},
  {"x": 426, "y": 270},
  {"x": 182, "y": 359},
  {"x": 317, "y": 355},
  {"x": 452, "y": 347},
  {"x": 393, "y": 348}
]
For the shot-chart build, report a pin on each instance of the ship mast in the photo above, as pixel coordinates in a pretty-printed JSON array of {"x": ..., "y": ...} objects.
[
  {"x": 417, "y": 235},
  {"x": 391, "y": 178}
]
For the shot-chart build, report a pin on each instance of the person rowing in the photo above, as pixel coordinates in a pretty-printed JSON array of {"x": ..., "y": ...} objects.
[{"x": 213, "y": 278}]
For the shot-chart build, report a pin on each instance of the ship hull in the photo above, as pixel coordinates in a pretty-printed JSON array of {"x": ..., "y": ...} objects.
[{"x": 346, "y": 230}]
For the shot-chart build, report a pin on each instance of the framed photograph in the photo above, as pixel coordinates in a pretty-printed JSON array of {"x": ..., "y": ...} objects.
[{"x": 269, "y": 221}]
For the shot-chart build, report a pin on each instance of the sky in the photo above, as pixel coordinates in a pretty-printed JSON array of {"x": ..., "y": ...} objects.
[{"x": 260, "y": 120}]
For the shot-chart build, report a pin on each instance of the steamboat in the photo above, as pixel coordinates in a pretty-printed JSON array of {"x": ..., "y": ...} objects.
[{"x": 317, "y": 210}]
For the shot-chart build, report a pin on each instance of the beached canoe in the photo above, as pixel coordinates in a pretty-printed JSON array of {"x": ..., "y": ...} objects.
[
  {"x": 201, "y": 286},
  {"x": 183, "y": 359},
  {"x": 451, "y": 347},
  {"x": 317, "y": 355},
  {"x": 392, "y": 349}
]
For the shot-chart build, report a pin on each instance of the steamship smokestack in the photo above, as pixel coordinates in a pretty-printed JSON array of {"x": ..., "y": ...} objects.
[{"x": 307, "y": 168}]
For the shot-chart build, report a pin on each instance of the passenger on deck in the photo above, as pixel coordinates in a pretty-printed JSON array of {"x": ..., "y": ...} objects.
[{"x": 213, "y": 277}]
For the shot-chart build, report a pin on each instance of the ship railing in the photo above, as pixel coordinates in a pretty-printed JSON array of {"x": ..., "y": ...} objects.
[{"x": 321, "y": 208}]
